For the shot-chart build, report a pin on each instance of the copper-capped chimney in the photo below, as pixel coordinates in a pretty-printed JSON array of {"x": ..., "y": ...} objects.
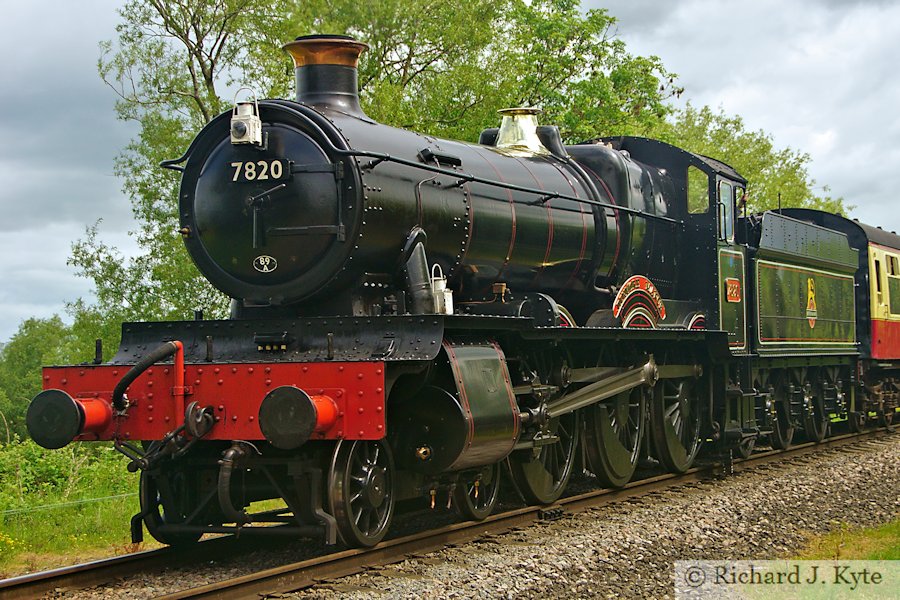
[{"x": 325, "y": 67}]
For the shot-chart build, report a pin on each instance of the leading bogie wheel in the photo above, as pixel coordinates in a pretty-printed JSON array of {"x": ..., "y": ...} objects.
[
  {"x": 155, "y": 513},
  {"x": 541, "y": 473},
  {"x": 613, "y": 431},
  {"x": 675, "y": 414},
  {"x": 476, "y": 493},
  {"x": 361, "y": 490}
]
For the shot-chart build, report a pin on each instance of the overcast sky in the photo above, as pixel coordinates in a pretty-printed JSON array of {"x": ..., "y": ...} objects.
[
  {"x": 819, "y": 75},
  {"x": 56, "y": 158}
]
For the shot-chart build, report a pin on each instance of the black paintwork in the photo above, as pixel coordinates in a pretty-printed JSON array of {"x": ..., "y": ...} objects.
[{"x": 574, "y": 224}]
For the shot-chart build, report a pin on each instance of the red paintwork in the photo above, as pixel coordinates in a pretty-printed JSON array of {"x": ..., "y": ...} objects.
[
  {"x": 234, "y": 390},
  {"x": 178, "y": 390},
  {"x": 97, "y": 414},
  {"x": 326, "y": 412},
  {"x": 885, "y": 339}
]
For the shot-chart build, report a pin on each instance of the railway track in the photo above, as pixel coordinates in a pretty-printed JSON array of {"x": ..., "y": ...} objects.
[{"x": 308, "y": 572}]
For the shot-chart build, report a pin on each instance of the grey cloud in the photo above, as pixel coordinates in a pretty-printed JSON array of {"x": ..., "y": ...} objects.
[
  {"x": 59, "y": 139},
  {"x": 635, "y": 16},
  {"x": 819, "y": 76}
]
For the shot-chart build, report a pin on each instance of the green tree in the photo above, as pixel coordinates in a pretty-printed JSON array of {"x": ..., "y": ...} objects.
[
  {"x": 165, "y": 69},
  {"x": 444, "y": 71},
  {"x": 6, "y": 432},
  {"x": 37, "y": 342},
  {"x": 770, "y": 171},
  {"x": 433, "y": 67}
]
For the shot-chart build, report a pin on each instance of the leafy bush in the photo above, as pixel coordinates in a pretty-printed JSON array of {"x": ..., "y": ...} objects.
[{"x": 59, "y": 501}]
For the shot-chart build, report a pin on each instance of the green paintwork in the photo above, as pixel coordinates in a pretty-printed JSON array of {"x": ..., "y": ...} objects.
[
  {"x": 485, "y": 393},
  {"x": 789, "y": 240},
  {"x": 733, "y": 315},
  {"x": 804, "y": 307}
]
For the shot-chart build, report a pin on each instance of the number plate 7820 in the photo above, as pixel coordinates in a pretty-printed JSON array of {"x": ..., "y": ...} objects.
[{"x": 261, "y": 170}]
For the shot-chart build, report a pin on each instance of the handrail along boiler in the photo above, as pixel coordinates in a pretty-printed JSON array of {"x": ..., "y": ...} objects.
[{"x": 603, "y": 300}]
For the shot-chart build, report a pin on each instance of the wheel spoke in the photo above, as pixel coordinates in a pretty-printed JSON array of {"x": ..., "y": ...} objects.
[
  {"x": 671, "y": 411},
  {"x": 675, "y": 423}
]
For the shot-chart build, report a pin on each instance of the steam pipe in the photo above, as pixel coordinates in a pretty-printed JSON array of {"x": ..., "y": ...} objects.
[{"x": 419, "y": 281}]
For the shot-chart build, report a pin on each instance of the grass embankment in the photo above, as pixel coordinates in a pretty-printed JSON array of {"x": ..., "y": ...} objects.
[
  {"x": 48, "y": 515},
  {"x": 876, "y": 543}
]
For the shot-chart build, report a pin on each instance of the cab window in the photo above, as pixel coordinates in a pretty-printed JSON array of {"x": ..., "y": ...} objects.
[
  {"x": 726, "y": 211},
  {"x": 698, "y": 191}
]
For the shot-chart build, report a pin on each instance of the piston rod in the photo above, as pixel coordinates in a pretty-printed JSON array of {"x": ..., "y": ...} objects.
[{"x": 646, "y": 374}]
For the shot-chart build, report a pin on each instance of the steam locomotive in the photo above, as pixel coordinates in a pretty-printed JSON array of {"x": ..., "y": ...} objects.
[{"x": 414, "y": 317}]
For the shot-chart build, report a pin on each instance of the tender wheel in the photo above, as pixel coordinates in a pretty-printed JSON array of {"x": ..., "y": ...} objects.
[
  {"x": 782, "y": 430},
  {"x": 815, "y": 420},
  {"x": 155, "y": 508},
  {"x": 745, "y": 449},
  {"x": 542, "y": 473},
  {"x": 612, "y": 436},
  {"x": 475, "y": 497},
  {"x": 886, "y": 417},
  {"x": 361, "y": 490},
  {"x": 675, "y": 423}
]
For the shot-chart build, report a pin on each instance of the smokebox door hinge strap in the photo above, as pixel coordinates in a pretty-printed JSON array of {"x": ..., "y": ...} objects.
[
  {"x": 318, "y": 168},
  {"x": 337, "y": 230}
]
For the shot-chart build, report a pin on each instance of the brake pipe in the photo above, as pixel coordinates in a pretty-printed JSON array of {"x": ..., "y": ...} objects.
[{"x": 119, "y": 401}]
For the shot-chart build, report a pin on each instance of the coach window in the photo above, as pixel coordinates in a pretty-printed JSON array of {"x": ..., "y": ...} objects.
[
  {"x": 893, "y": 271},
  {"x": 698, "y": 191},
  {"x": 726, "y": 211},
  {"x": 878, "y": 277}
]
